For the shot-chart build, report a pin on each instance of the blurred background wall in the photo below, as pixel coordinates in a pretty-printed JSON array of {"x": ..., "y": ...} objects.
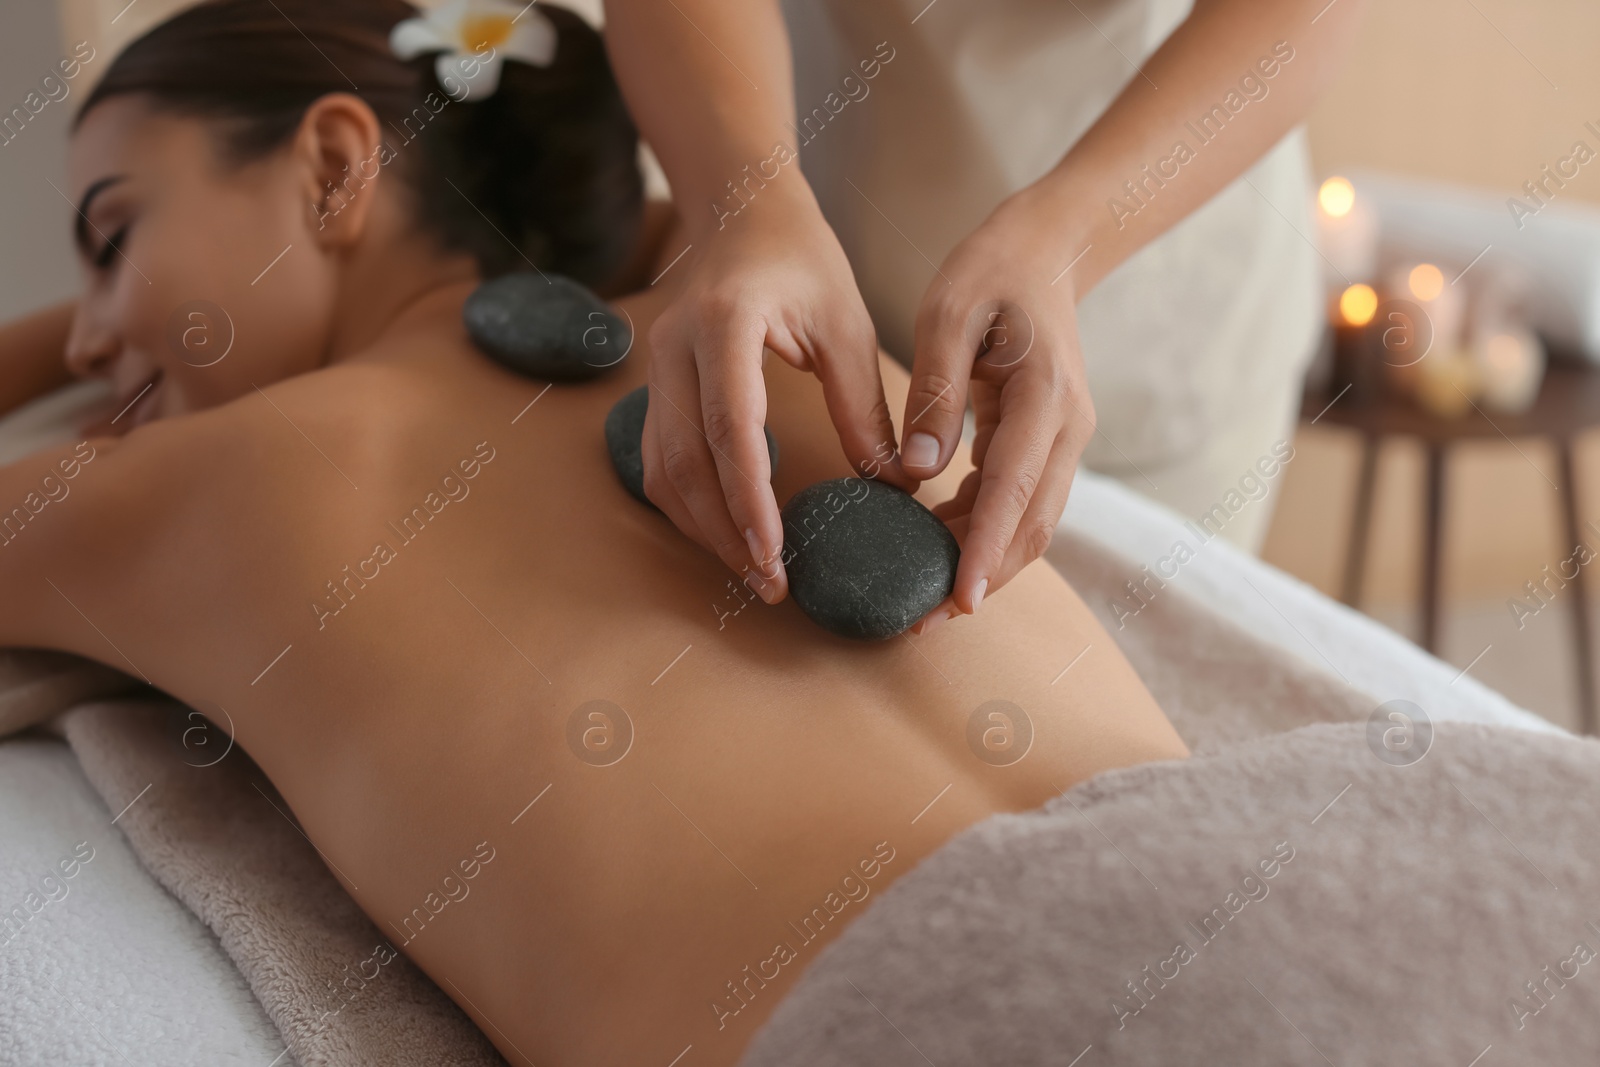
[{"x": 37, "y": 267}]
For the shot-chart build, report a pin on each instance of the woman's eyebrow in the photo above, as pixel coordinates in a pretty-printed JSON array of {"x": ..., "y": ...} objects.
[{"x": 81, "y": 226}]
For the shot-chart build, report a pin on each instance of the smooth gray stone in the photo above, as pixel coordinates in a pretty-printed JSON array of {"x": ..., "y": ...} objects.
[
  {"x": 866, "y": 560},
  {"x": 546, "y": 326},
  {"x": 625, "y": 432}
]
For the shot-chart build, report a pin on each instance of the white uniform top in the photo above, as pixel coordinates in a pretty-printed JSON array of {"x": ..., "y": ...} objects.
[{"x": 972, "y": 100}]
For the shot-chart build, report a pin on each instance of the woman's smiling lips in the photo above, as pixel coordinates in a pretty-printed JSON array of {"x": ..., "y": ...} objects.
[{"x": 140, "y": 407}]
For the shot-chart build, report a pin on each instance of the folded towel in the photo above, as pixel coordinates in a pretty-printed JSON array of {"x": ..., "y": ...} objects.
[
  {"x": 35, "y": 685},
  {"x": 1297, "y": 900},
  {"x": 221, "y": 840}
]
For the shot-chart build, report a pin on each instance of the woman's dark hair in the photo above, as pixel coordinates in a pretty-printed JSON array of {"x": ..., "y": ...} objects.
[{"x": 547, "y": 163}]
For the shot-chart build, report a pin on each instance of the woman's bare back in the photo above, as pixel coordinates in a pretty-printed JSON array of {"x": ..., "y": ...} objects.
[{"x": 611, "y": 801}]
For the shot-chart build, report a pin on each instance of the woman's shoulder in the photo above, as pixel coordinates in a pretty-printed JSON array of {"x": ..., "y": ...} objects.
[{"x": 165, "y": 530}]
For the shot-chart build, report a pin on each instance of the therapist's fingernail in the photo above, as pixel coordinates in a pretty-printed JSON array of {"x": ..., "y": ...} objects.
[
  {"x": 922, "y": 450},
  {"x": 762, "y": 588},
  {"x": 758, "y": 552},
  {"x": 934, "y": 620},
  {"x": 977, "y": 593}
]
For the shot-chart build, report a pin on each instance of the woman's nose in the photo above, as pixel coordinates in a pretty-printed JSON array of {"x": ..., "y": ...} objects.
[{"x": 91, "y": 347}]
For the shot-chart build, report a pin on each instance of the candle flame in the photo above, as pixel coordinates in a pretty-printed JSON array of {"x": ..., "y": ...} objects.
[
  {"x": 1337, "y": 196},
  {"x": 1358, "y": 304},
  {"x": 1426, "y": 281}
]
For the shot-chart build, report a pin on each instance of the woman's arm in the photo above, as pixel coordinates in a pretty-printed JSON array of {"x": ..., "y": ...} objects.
[
  {"x": 43, "y": 508},
  {"x": 96, "y": 533},
  {"x": 32, "y": 355}
]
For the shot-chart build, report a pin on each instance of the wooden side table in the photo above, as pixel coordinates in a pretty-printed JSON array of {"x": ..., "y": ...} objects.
[{"x": 1568, "y": 404}]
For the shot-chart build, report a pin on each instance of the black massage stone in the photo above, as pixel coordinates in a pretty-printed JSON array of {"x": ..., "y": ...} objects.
[
  {"x": 625, "y": 431},
  {"x": 546, "y": 326},
  {"x": 866, "y": 560}
]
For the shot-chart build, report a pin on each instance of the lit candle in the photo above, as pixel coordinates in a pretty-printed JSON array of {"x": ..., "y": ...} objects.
[
  {"x": 1350, "y": 313},
  {"x": 1445, "y": 305},
  {"x": 1511, "y": 364},
  {"x": 1347, "y": 230},
  {"x": 1357, "y": 305}
]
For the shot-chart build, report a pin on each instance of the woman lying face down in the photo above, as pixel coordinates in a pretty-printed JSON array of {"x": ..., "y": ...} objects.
[{"x": 436, "y": 620}]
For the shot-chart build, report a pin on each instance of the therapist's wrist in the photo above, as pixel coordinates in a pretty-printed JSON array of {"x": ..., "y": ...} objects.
[
  {"x": 747, "y": 199},
  {"x": 1058, "y": 220}
]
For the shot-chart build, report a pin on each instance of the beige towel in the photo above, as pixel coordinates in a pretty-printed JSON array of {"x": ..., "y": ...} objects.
[
  {"x": 1294, "y": 900},
  {"x": 219, "y": 839},
  {"x": 36, "y": 685}
]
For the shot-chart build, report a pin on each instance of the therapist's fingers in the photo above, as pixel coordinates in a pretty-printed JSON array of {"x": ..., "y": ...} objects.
[
  {"x": 1038, "y": 523},
  {"x": 940, "y": 371},
  {"x": 956, "y": 514},
  {"x": 986, "y": 417},
  {"x": 852, "y": 387},
  {"x": 657, "y": 488},
  {"x": 681, "y": 476},
  {"x": 1043, "y": 513},
  {"x": 1014, "y": 468},
  {"x": 733, "y": 410}
]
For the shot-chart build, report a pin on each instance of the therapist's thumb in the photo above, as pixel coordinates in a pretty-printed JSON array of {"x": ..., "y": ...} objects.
[{"x": 940, "y": 372}]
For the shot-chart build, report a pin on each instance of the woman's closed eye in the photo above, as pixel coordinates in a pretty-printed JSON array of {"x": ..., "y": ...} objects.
[
  {"x": 99, "y": 258},
  {"x": 108, "y": 252}
]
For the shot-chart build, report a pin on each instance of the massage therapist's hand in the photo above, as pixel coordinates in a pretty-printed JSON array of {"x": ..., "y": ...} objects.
[
  {"x": 993, "y": 328},
  {"x": 772, "y": 277}
]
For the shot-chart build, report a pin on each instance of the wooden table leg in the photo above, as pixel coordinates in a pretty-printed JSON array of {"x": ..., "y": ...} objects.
[
  {"x": 1433, "y": 548},
  {"x": 1355, "y": 559},
  {"x": 1581, "y": 644}
]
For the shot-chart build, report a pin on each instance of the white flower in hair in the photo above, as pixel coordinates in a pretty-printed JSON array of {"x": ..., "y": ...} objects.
[{"x": 473, "y": 38}]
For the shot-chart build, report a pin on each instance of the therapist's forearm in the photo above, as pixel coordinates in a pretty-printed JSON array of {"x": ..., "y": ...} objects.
[
  {"x": 709, "y": 83},
  {"x": 1136, "y": 140}
]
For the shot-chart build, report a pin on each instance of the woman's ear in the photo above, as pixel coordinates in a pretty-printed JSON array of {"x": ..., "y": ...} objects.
[{"x": 343, "y": 157}]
